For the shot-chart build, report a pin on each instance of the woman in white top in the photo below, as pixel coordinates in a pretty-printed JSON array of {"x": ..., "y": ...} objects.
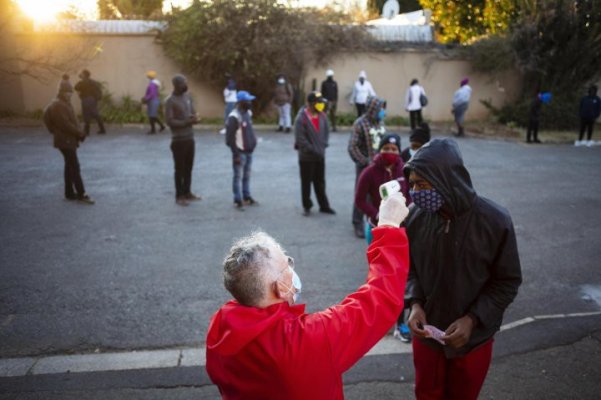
[
  {"x": 413, "y": 103},
  {"x": 361, "y": 91}
]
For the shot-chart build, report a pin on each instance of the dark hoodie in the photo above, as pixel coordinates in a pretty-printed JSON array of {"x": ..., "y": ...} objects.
[
  {"x": 468, "y": 264},
  {"x": 311, "y": 144},
  {"x": 361, "y": 145},
  {"x": 61, "y": 122},
  {"x": 179, "y": 109}
]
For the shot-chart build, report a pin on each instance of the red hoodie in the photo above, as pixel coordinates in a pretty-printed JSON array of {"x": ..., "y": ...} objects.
[{"x": 279, "y": 352}]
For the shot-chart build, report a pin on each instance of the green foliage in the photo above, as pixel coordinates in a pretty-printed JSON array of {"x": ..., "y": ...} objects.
[
  {"x": 461, "y": 21},
  {"x": 254, "y": 41},
  {"x": 126, "y": 110},
  {"x": 130, "y": 9}
]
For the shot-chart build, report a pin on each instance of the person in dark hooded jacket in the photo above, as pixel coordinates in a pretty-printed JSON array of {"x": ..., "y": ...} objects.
[
  {"x": 364, "y": 144},
  {"x": 465, "y": 271}
]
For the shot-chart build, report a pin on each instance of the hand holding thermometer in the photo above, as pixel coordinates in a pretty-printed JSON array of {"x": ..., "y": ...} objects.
[{"x": 389, "y": 188}]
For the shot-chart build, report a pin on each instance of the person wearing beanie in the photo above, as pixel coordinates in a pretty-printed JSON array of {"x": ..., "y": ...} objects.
[
  {"x": 329, "y": 90},
  {"x": 386, "y": 166},
  {"x": 90, "y": 93},
  {"x": 363, "y": 144},
  {"x": 362, "y": 89},
  {"x": 152, "y": 100},
  {"x": 461, "y": 101},
  {"x": 311, "y": 135},
  {"x": 418, "y": 137},
  {"x": 61, "y": 122},
  {"x": 180, "y": 116}
]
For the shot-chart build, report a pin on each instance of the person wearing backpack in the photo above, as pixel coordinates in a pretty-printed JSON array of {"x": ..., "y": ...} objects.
[
  {"x": 415, "y": 100},
  {"x": 90, "y": 94},
  {"x": 240, "y": 138}
]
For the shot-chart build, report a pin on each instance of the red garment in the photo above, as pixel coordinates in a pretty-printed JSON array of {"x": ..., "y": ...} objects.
[
  {"x": 280, "y": 352},
  {"x": 314, "y": 119},
  {"x": 460, "y": 378},
  {"x": 369, "y": 184}
]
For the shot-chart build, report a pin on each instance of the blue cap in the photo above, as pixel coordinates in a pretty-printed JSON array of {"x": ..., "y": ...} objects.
[{"x": 243, "y": 95}]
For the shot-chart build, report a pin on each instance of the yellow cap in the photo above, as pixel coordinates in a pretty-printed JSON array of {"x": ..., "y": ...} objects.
[{"x": 151, "y": 74}]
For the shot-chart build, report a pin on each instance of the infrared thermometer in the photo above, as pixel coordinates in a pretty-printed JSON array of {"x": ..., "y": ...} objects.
[{"x": 389, "y": 188}]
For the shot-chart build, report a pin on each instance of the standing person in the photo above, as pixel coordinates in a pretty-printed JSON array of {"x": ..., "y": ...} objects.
[
  {"x": 61, "y": 122},
  {"x": 533, "y": 119},
  {"x": 152, "y": 100},
  {"x": 282, "y": 97},
  {"x": 329, "y": 90},
  {"x": 90, "y": 94},
  {"x": 263, "y": 345},
  {"x": 181, "y": 116},
  {"x": 461, "y": 101},
  {"x": 465, "y": 271},
  {"x": 590, "y": 109},
  {"x": 419, "y": 136},
  {"x": 230, "y": 98},
  {"x": 413, "y": 103},
  {"x": 310, "y": 140},
  {"x": 363, "y": 144},
  {"x": 240, "y": 137},
  {"x": 361, "y": 91}
]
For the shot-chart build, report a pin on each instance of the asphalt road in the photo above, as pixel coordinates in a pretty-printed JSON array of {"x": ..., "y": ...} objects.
[{"x": 136, "y": 271}]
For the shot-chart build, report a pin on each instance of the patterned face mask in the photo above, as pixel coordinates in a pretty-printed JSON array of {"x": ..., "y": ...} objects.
[{"x": 428, "y": 200}]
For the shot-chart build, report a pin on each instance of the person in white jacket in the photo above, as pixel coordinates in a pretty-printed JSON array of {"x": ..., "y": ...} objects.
[
  {"x": 230, "y": 98},
  {"x": 413, "y": 103},
  {"x": 361, "y": 91},
  {"x": 461, "y": 100}
]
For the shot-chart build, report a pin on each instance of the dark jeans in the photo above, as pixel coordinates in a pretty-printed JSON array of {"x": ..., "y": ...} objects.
[
  {"x": 153, "y": 121},
  {"x": 242, "y": 172},
  {"x": 360, "y": 109},
  {"x": 89, "y": 109},
  {"x": 586, "y": 125},
  {"x": 416, "y": 118},
  {"x": 313, "y": 172},
  {"x": 532, "y": 130},
  {"x": 332, "y": 114},
  {"x": 73, "y": 183},
  {"x": 183, "y": 158},
  {"x": 357, "y": 214}
]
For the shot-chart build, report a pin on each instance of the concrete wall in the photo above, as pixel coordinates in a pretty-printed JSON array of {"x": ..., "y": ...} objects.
[{"x": 122, "y": 60}]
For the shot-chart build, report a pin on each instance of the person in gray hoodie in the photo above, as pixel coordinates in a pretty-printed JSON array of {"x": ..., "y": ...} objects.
[
  {"x": 180, "y": 116},
  {"x": 311, "y": 139}
]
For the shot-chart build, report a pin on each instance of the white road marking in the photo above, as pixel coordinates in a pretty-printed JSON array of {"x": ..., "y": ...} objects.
[{"x": 186, "y": 357}]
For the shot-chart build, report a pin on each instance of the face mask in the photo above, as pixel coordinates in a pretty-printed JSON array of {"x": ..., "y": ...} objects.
[
  {"x": 412, "y": 152},
  {"x": 428, "y": 200},
  {"x": 381, "y": 114},
  {"x": 390, "y": 158},
  {"x": 296, "y": 285},
  {"x": 320, "y": 106}
]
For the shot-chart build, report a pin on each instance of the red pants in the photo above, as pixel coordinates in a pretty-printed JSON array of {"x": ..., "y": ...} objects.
[{"x": 439, "y": 378}]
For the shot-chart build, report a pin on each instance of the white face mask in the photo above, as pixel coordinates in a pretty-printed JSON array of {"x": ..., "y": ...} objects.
[
  {"x": 412, "y": 152},
  {"x": 281, "y": 81},
  {"x": 296, "y": 286}
]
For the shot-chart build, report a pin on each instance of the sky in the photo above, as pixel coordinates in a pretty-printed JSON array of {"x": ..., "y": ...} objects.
[{"x": 46, "y": 11}]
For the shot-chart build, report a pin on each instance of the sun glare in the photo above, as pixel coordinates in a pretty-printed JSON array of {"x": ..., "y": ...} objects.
[{"x": 44, "y": 11}]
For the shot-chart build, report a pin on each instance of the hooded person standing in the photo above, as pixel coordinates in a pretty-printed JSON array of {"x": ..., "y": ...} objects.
[
  {"x": 465, "y": 271},
  {"x": 180, "y": 116},
  {"x": 329, "y": 90},
  {"x": 413, "y": 103},
  {"x": 363, "y": 145},
  {"x": 152, "y": 100},
  {"x": 362, "y": 89},
  {"x": 282, "y": 97},
  {"x": 240, "y": 138},
  {"x": 590, "y": 109},
  {"x": 61, "y": 122},
  {"x": 90, "y": 93},
  {"x": 461, "y": 101},
  {"x": 419, "y": 136},
  {"x": 311, "y": 134},
  {"x": 263, "y": 345}
]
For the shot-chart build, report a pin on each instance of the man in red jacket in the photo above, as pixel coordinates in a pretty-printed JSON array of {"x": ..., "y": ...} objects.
[{"x": 264, "y": 346}]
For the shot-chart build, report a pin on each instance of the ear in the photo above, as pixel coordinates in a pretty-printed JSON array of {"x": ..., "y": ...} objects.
[{"x": 278, "y": 290}]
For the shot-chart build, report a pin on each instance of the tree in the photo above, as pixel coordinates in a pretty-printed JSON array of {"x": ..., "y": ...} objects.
[
  {"x": 130, "y": 9},
  {"x": 255, "y": 41},
  {"x": 461, "y": 21}
]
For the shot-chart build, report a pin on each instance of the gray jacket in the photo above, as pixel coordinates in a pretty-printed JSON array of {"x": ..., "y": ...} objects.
[
  {"x": 179, "y": 110},
  {"x": 311, "y": 144}
]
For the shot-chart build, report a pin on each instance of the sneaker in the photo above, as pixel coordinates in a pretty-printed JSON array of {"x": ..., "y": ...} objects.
[
  {"x": 306, "y": 212},
  {"x": 590, "y": 143},
  {"x": 150, "y": 132},
  {"x": 222, "y": 131},
  {"x": 537, "y": 141},
  {"x": 359, "y": 232},
  {"x": 280, "y": 129},
  {"x": 85, "y": 199},
  {"x": 578, "y": 143},
  {"x": 71, "y": 197},
  {"x": 327, "y": 211},
  {"x": 249, "y": 201},
  {"x": 287, "y": 130},
  {"x": 192, "y": 197},
  {"x": 181, "y": 201},
  {"x": 239, "y": 206},
  {"x": 404, "y": 333},
  {"x": 162, "y": 128}
]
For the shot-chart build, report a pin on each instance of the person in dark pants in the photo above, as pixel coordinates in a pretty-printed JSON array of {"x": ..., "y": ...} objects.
[
  {"x": 61, "y": 122},
  {"x": 180, "y": 117},
  {"x": 590, "y": 109},
  {"x": 311, "y": 139},
  {"x": 329, "y": 90},
  {"x": 413, "y": 103},
  {"x": 362, "y": 89},
  {"x": 90, "y": 94},
  {"x": 533, "y": 119},
  {"x": 152, "y": 99},
  {"x": 240, "y": 138}
]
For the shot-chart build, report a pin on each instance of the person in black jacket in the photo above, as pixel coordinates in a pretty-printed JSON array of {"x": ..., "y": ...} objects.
[
  {"x": 329, "y": 90},
  {"x": 60, "y": 120},
  {"x": 90, "y": 94},
  {"x": 590, "y": 109},
  {"x": 311, "y": 134},
  {"x": 465, "y": 271}
]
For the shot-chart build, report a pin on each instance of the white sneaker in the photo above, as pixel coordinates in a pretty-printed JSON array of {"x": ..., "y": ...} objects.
[
  {"x": 222, "y": 132},
  {"x": 578, "y": 143},
  {"x": 590, "y": 143}
]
